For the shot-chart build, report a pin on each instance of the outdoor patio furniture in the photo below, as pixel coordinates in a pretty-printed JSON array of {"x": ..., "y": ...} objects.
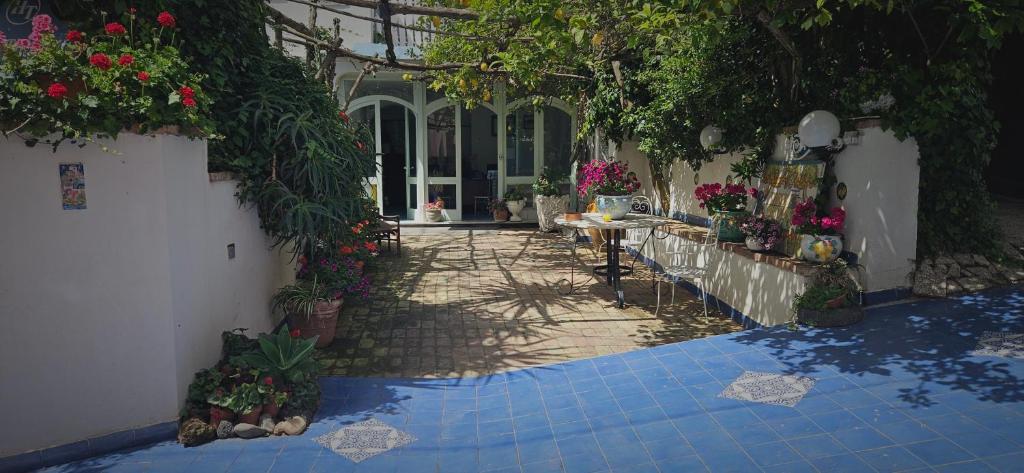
[
  {"x": 612, "y": 233},
  {"x": 389, "y": 228},
  {"x": 690, "y": 262}
]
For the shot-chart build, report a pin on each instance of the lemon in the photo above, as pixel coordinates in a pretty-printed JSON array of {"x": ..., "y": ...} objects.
[
  {"x": 559, "y": 14},
  {"x": 407, "y": 76},
  {"x": 436, "y": 20},
  {"x": 597, "y": 39},
  {"x": 607, "y": 217},
  {"x": 484, "y": 67}
]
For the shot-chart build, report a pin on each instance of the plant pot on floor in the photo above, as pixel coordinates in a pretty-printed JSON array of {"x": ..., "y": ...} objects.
[
  {"x": 501, "y": 215},
  {"x": 433, "y": 215},
  {"x": 820, "y": 248},
  {"x": 218, "y": 414},
  {"x": 729, "y": 225},
  {"x": 251, "y": 417},
  {"x": 549, "y": 207},
  {"x": 840, "y": 317},
  {"x": 615, "y": 205},
  {"x": 323, "y": 322},
  {"x": 271, "y": 409},
  {"x": 514, "y": 207}
]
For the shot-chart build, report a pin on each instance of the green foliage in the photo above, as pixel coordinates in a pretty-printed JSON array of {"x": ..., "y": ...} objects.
[
  {"x": 243, "y": 398},
  {"x": 303, "y": 399},
  {"x": 300, "y": 298},
  {"x": 513, "y": 195},
  {"x": 550, "y": 182},
  {"x": 282, "y": 357},
  {"x": 56, "y": 88},
  {"x": 202, "y": 387},
  {"x": 817, "y": 297},
  {"x": 830, "y": 281}
]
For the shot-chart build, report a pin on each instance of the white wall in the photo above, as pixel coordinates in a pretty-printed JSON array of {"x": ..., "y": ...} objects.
[
  {"x": 882, "y": 177},
  {"x": 110, "y": 310}
]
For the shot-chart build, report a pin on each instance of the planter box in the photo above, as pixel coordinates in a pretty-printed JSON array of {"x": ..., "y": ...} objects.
[{"x": 830, "y": 317}]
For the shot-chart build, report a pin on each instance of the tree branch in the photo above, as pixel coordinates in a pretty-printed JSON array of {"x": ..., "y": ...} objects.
[{"x": 403, "y": 9}]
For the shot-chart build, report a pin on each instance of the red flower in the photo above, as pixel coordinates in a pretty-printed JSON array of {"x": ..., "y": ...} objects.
[
  {"x": 100, "y": 60},
  {"x": 295, "y": 333},
  {"x": 186, "y": 91},
  {"x": 143, "y": 76},
  {"x": 115, "y": 29},
  {"x": 74, "y": 36},
  {"x": 343, "y": 116},
  {"x": 346, "y": 250},
  {"x": 57, "y": 90},
  {"x": 126, "y": 59},
  {"x": 371, "y": 246},
  {"x": 360, "y": 145},
  {"x": 132, "y": 11},
  {"x": 188, "y": 102},
  {"x": 268, "y": 381},
  {"x": 165, "y": 19}
]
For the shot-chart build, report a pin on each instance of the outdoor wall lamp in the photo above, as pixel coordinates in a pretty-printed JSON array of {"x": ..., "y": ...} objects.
[
  {"x": 818, "y": 131},
  {"x": 711, "y": 137}
]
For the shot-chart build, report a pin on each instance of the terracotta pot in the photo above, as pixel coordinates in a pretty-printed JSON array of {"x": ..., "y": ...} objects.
[
  {"x": 218, "y": 414},
  {"x": 271, "y": 409},
  {"x": 360, "y": 264},
  {"x": 836, "y": 303},
  {"x": 252, "y": 417},
  {"x": 501, "y": 215},
  {"x": 323, "y": 322}
]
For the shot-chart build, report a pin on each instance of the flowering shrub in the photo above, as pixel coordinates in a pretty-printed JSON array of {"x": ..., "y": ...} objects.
[
  {"x": 808, "y": 220},
  {"x": 728, "y": 198},
  {"x": 767, "y": 232},
  {"x": 98, "y": 84},
  {"x": 606, "y": 178}
]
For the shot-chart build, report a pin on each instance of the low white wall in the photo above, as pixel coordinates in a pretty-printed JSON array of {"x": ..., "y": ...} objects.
[
  {"x": 881, "y": 174},
  {"x": 110, "y": 310}
]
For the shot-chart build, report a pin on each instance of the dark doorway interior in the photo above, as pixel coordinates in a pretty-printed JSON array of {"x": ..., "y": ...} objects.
[
  {"x": 396, "y": 144},
  {"x": 1007, "y": 167},
  {"x": 479, "y": 162}
]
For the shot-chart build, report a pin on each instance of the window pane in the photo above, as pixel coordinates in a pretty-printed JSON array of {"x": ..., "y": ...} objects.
[
  {"x": 391, "y": 88},
  {"x": 413, "y": 197},
  {"x": 410, "y": 119},
  {"x": 519, "y": 152},
  {"x": 441, "y": 143},
  {"x": 365, "y": 116},
  {"x": 444, "y": 192},
  {"x": 557, "y": 141}
]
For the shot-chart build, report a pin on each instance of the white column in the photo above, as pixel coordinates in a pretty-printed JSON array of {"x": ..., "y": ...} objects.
[
  {"x": 420, "y": 103},
  {"x": 501, "y": 106}
]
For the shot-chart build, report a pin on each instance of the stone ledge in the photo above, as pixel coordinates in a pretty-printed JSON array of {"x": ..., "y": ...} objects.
[{"x": 696, "y": 233}]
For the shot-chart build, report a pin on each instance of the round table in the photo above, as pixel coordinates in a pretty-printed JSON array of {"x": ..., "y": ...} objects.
[{"x": 612, "y": 231}]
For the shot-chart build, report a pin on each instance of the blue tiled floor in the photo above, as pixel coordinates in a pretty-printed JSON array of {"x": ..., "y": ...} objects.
[{"x": 899, "y": 392}]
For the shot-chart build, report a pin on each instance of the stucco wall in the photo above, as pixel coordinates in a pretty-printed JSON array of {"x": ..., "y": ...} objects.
[
  {"x": 881, "y": 174},
  {"x": 109, "y": 310}
]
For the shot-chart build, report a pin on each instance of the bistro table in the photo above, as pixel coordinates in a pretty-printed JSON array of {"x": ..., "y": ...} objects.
[{"x": 613, "y": 231}]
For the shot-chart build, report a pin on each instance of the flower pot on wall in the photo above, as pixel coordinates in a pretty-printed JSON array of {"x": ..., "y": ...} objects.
[
  {"x": 615, "y": 205},
  {"x": 323, "y": 322},
  {"x": 753, "y": 244},
  {"x": 550, "y": 207},
  {"x": 820, "y": 248},
  {"x": 514, "y": 207},
  {"x": 729, "y": 226}
]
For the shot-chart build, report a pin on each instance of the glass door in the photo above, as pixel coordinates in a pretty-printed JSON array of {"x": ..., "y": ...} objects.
[
  {"x": 392, "y": 184},
  {"x": 443, "y": 170},
  {"x": 537, "y": 138}
]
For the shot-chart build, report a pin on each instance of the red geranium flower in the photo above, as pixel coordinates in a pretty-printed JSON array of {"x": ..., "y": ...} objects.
[
  {"x": 165, "y": 19},
  {"x": 371, "y": 246},
  {"x": 343, "y": 116},
  {"x": 57, "y": 90},
  {"x": 74, "y": 36},
  {"x": 188, "y": 102},
  {"x": 143, "y": 76},
  {"x": 346, "y": 250},
  {"x": 268, "y": 381},
  {"x": 186, "y": 91},
  {"x": 115, "y": 29},
  {"x": 295, "y": 333},
  {"x": 100, "y": 60},
  {"x": 126, "y": 59},
  {"x": 132, "y": 11}
]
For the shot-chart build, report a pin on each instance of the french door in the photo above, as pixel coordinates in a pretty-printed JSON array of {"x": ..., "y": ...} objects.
[
  {"x": 393, "y": 183},
  {"x": 462, "y": 159}
]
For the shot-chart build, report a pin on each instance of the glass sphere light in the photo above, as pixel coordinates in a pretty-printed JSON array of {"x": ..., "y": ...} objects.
[
  {"x": 819, "y": 129},
  {"x": 710, "y": 137}
]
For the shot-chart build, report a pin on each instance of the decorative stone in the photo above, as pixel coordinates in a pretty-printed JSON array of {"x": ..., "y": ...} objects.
[
  {"x": 195, "y": 431},
  {"x": 964, "y": 259},
  {"x": 363, "y": 440},
  {"x": 979, "y": 271},
  {"x": 225, "y": 429},
  {"x": 928, "y": 282},
  {"x": 945, "y": 260},
  {"x": 974, "y": 284},
  {"x": 953, "y": 270},
  {"x": 248, "y": 431},
  {"x": 294, "y": 425},
  {"x": 267, "y": 423},
  {"x": 980, "y": 260}
]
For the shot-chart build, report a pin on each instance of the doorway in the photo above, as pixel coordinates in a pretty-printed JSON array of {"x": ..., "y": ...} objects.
[
  {"x": 479, "y": 162},
  {"x": 393, "y": 126}
]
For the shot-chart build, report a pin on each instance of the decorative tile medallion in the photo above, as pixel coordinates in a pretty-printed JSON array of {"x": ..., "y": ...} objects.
[
  {"x": 1002, "y": 344},
  {"x": 358, "y": 442},
  {"x": 768, "y": 388}
]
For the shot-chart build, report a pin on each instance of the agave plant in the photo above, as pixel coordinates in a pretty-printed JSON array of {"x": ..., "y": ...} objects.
[{"x": 281, "y": 356}]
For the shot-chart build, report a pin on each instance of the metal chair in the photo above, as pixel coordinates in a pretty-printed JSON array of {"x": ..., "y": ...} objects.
[{"x": 691, "y": 262}]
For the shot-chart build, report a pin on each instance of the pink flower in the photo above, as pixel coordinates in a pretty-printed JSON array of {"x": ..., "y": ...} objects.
[
  {"x": 165, "y": 19},
  {"x": 101, "y": 61},
  {"x": 126, "y": 59},
  {"x": 74, "y": 36},
  {"x": 57, "y": 90},
  {"x": 115, "y": 29}
]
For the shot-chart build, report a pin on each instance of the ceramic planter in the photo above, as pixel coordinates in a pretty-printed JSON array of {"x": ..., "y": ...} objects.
[
  {"x": 615, "y": 205},
  {"x": 549, "y": 207},
  {"x": 514, "y": 207},
  {"x": 729, "y": 226},
  {"x": 753, "y": 244},
  {"x": 500, "y": 215},
  {"x": 323, "y": 322},
  {"x": 820, "y": 248},
  {"x": 251, "y": 417},
  {"x": 433, "y": 215}
]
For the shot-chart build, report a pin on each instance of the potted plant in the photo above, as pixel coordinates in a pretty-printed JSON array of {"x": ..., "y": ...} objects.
[
  {"x": 762, "y": 234},
  {"x": 515, "y": 201},
  {"x": 549, "y": 199},
  {"x": 433, "y": 210},
  {"x": 727, "y": 204},
  {"x": 611, "y": 183},
  {"x": 820, "y": 233},
  {"x": 246, "y": 400},
  {"x": 313, "y": 302},
  {"x": 499, "y": 208},
  {"x": 830, "y": 298}
]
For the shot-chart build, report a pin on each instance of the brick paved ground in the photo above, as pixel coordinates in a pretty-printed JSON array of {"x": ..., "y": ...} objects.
[{"x": 470, "y": 302}]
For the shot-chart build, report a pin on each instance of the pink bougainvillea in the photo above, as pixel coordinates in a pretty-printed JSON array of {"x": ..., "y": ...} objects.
[
  {"x": 809, "y": 221},
  {"x": 728, "y": 198},
  {"x": 606, "y": 178}
]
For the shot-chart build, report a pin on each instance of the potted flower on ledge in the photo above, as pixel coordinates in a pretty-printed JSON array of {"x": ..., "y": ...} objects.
[
  {"x": 516, "y": 202},
  {"x": 549, "y": 199},
  {"x": 728, "y": 205},
  {"x": 820, "y": 233},
  {"x": 433, "y": 210},
  {"x": 612, "y": 185},
  {"x": 762, "y": 234}
]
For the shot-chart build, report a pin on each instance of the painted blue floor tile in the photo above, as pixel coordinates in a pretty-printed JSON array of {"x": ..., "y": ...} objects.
[
  {"x": 891, "y": 459},
  {"x": 939, "y": 452}
]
